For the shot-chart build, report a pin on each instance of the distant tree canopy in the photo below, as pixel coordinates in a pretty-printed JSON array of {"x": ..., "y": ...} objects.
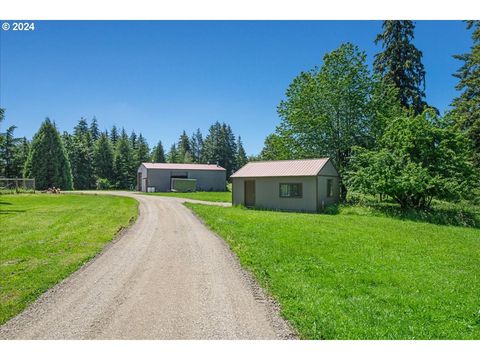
[
  {"x": 47, "y": 161},
  {"x": 400, "y": 63},
  {"x": 218, "y": 147}
]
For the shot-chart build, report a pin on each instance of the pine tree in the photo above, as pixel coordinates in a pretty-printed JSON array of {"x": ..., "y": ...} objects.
[
  {"x": 466, "y": 107},
  {"x": 133, "y": 140},
  {"x": 158, "y": 153},
  {"x": 172, "y": 156},
  {"x": 7, "y": 153},
  {"x": 184, "y": 150},
  {"x": 241, "y": 159},
  {"x": 114, "y": 136},
  {"x": 47, "y": 161},
  {"x": 142, "y": 153},
  {"x": 400, "y": 63},
  {"x": 103, "y": 158},
  {"x": 124, "y": 163},
  {"x": 80, "y": 153},
  {"x": 94, "y": 131},
  {"x": 21, "y": 154},
  {"x": 196, "y": 142}
]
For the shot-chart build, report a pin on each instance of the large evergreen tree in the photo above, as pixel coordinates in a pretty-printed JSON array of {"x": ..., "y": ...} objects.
[
  {"x": 466, "y": 107},
  {"x": 400, "y": 63},
  {"x": 158, "y": 153},
  {"x": 172, "y": 156},
  {"x": 114, "y": 135},
  {"x": 94, "y": 131},
  {"x": 8, "y": 149},
  {"x": 184, "y": 149},
  {"x": 80, "y": 153},
  {"x": 241, "y": 158},
  {"x": 47, "y": 161},
  {"x": 124, "y": 163},
  {"x": 196, "y": 142},
  {"x": 142, "y": 152},
  {"x": 103, "y": 158}
]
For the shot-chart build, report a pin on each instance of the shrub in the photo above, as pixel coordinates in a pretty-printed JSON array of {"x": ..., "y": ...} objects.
[{"x": 103, "y": 184}]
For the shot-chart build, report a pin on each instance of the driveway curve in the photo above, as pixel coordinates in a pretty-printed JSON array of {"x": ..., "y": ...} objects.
[{"x": 165, "y": 277}]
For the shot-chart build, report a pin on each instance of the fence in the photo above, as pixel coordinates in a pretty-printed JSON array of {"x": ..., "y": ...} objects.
[{"x": 16, "y": 185}]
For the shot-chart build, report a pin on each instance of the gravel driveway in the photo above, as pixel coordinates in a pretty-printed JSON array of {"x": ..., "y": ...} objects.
[{"x": 166, "y": 277}]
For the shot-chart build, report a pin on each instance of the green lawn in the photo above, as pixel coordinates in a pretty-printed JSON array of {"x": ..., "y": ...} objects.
[
  {"x": 44, "y": 238},
  {"x": 354, "y": 276},
  {"x": 216, "y": 196}
]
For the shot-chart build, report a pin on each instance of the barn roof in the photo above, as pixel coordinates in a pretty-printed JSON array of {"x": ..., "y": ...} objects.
[
  {"x": 171, "y": 166},
  {"x": 309, "y": 167}
]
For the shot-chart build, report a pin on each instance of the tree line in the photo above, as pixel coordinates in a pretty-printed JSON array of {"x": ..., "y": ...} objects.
[
  {"x": 92, "y": 159},
  {"x": 376, "y": 126}
]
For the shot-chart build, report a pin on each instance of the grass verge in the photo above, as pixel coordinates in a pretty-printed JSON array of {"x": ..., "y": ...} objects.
[
  {"x": 354, "y": 276},
  {"x": 215, "y": 196},
  {"x": 44, "y": 238}
]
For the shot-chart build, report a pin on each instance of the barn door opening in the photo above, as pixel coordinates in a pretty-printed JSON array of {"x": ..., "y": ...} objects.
[{"x": 249, "y": 193}]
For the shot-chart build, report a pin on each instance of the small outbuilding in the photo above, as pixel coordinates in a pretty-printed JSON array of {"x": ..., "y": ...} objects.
[
  {"x": 296, "y": 185},
  {"x": 159, "y": 177}
]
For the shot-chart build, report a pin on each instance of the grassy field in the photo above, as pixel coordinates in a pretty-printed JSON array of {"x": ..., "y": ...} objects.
[
  {"x": 358, "y": 275},
  {"x": 220, "y": 196},
  {"x": 44, "y": 238}
]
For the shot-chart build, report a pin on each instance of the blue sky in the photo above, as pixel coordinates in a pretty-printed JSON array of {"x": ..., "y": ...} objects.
[{"x": 161, "y": 77}]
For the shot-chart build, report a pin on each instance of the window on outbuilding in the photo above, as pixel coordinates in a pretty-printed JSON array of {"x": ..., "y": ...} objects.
[
  {"x": 291, "y": 190},
  {"x": 330, "y": 187}
]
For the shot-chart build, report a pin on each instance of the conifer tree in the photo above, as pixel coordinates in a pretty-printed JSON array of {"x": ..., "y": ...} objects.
[
  {"x": 400, "y": 63},
  {"x": 241, "y": 155},
  {"x": 94, "y": 131},
  {"x": 184, "y": 150},
  {"x": 466, "y": 107},
  {"x": 196, "y": 142},
  {"x": 172, "y": 156},
  {"x": 158, "y": 153},
  {"x": 142, "y": 153},
  {"x": 103, "y": 158},
  {"x": 80, "y": 153},
  {"x": 124, "y": 163},
  {"x": 114, "y": 136},
  {"x": 47, "y": 161}
]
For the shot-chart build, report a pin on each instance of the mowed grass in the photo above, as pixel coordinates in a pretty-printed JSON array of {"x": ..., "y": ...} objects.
[
  {"x": 215, "y": 196},
  {"x": 359, "y": 277},
  {"x": 44, "y": 238}
]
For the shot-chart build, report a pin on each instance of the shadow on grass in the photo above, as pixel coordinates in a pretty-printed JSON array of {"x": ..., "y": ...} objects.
[
  {"x": 8, "y": 211},
  {"x": 439, "y": 214}
]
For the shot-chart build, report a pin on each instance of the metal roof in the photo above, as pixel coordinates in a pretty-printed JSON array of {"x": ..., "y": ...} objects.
[
  {"x": 309, "y": 167},
  {"x": 172, "y": 166}
]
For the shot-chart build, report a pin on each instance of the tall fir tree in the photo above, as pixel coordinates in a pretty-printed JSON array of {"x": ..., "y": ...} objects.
[
  {"x": 158, "y": 153},
  {"x": 196, "y": 142},
  {"x": 114, "y": 136},
  {"x": 466, "y": 107},
  {"x": 142, "y": 152},
  {"x": 241, "y": 159},
  {"x": 103, "y": 158},
  {"x": 80, "y": 153},
  {"x": 184, "y": 149},
  {"x": 94, "y": 131},
  {"x": 172, "y": 156},
  {"x": 8, "y": 148},
  {"x": 400, "y": 63},
  {"x": 124, "y": 163},
  {"x": 47, "y": 161}
]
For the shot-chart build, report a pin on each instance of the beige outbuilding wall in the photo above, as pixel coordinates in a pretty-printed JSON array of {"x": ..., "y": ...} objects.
[{"x": 314, "y": 191}]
